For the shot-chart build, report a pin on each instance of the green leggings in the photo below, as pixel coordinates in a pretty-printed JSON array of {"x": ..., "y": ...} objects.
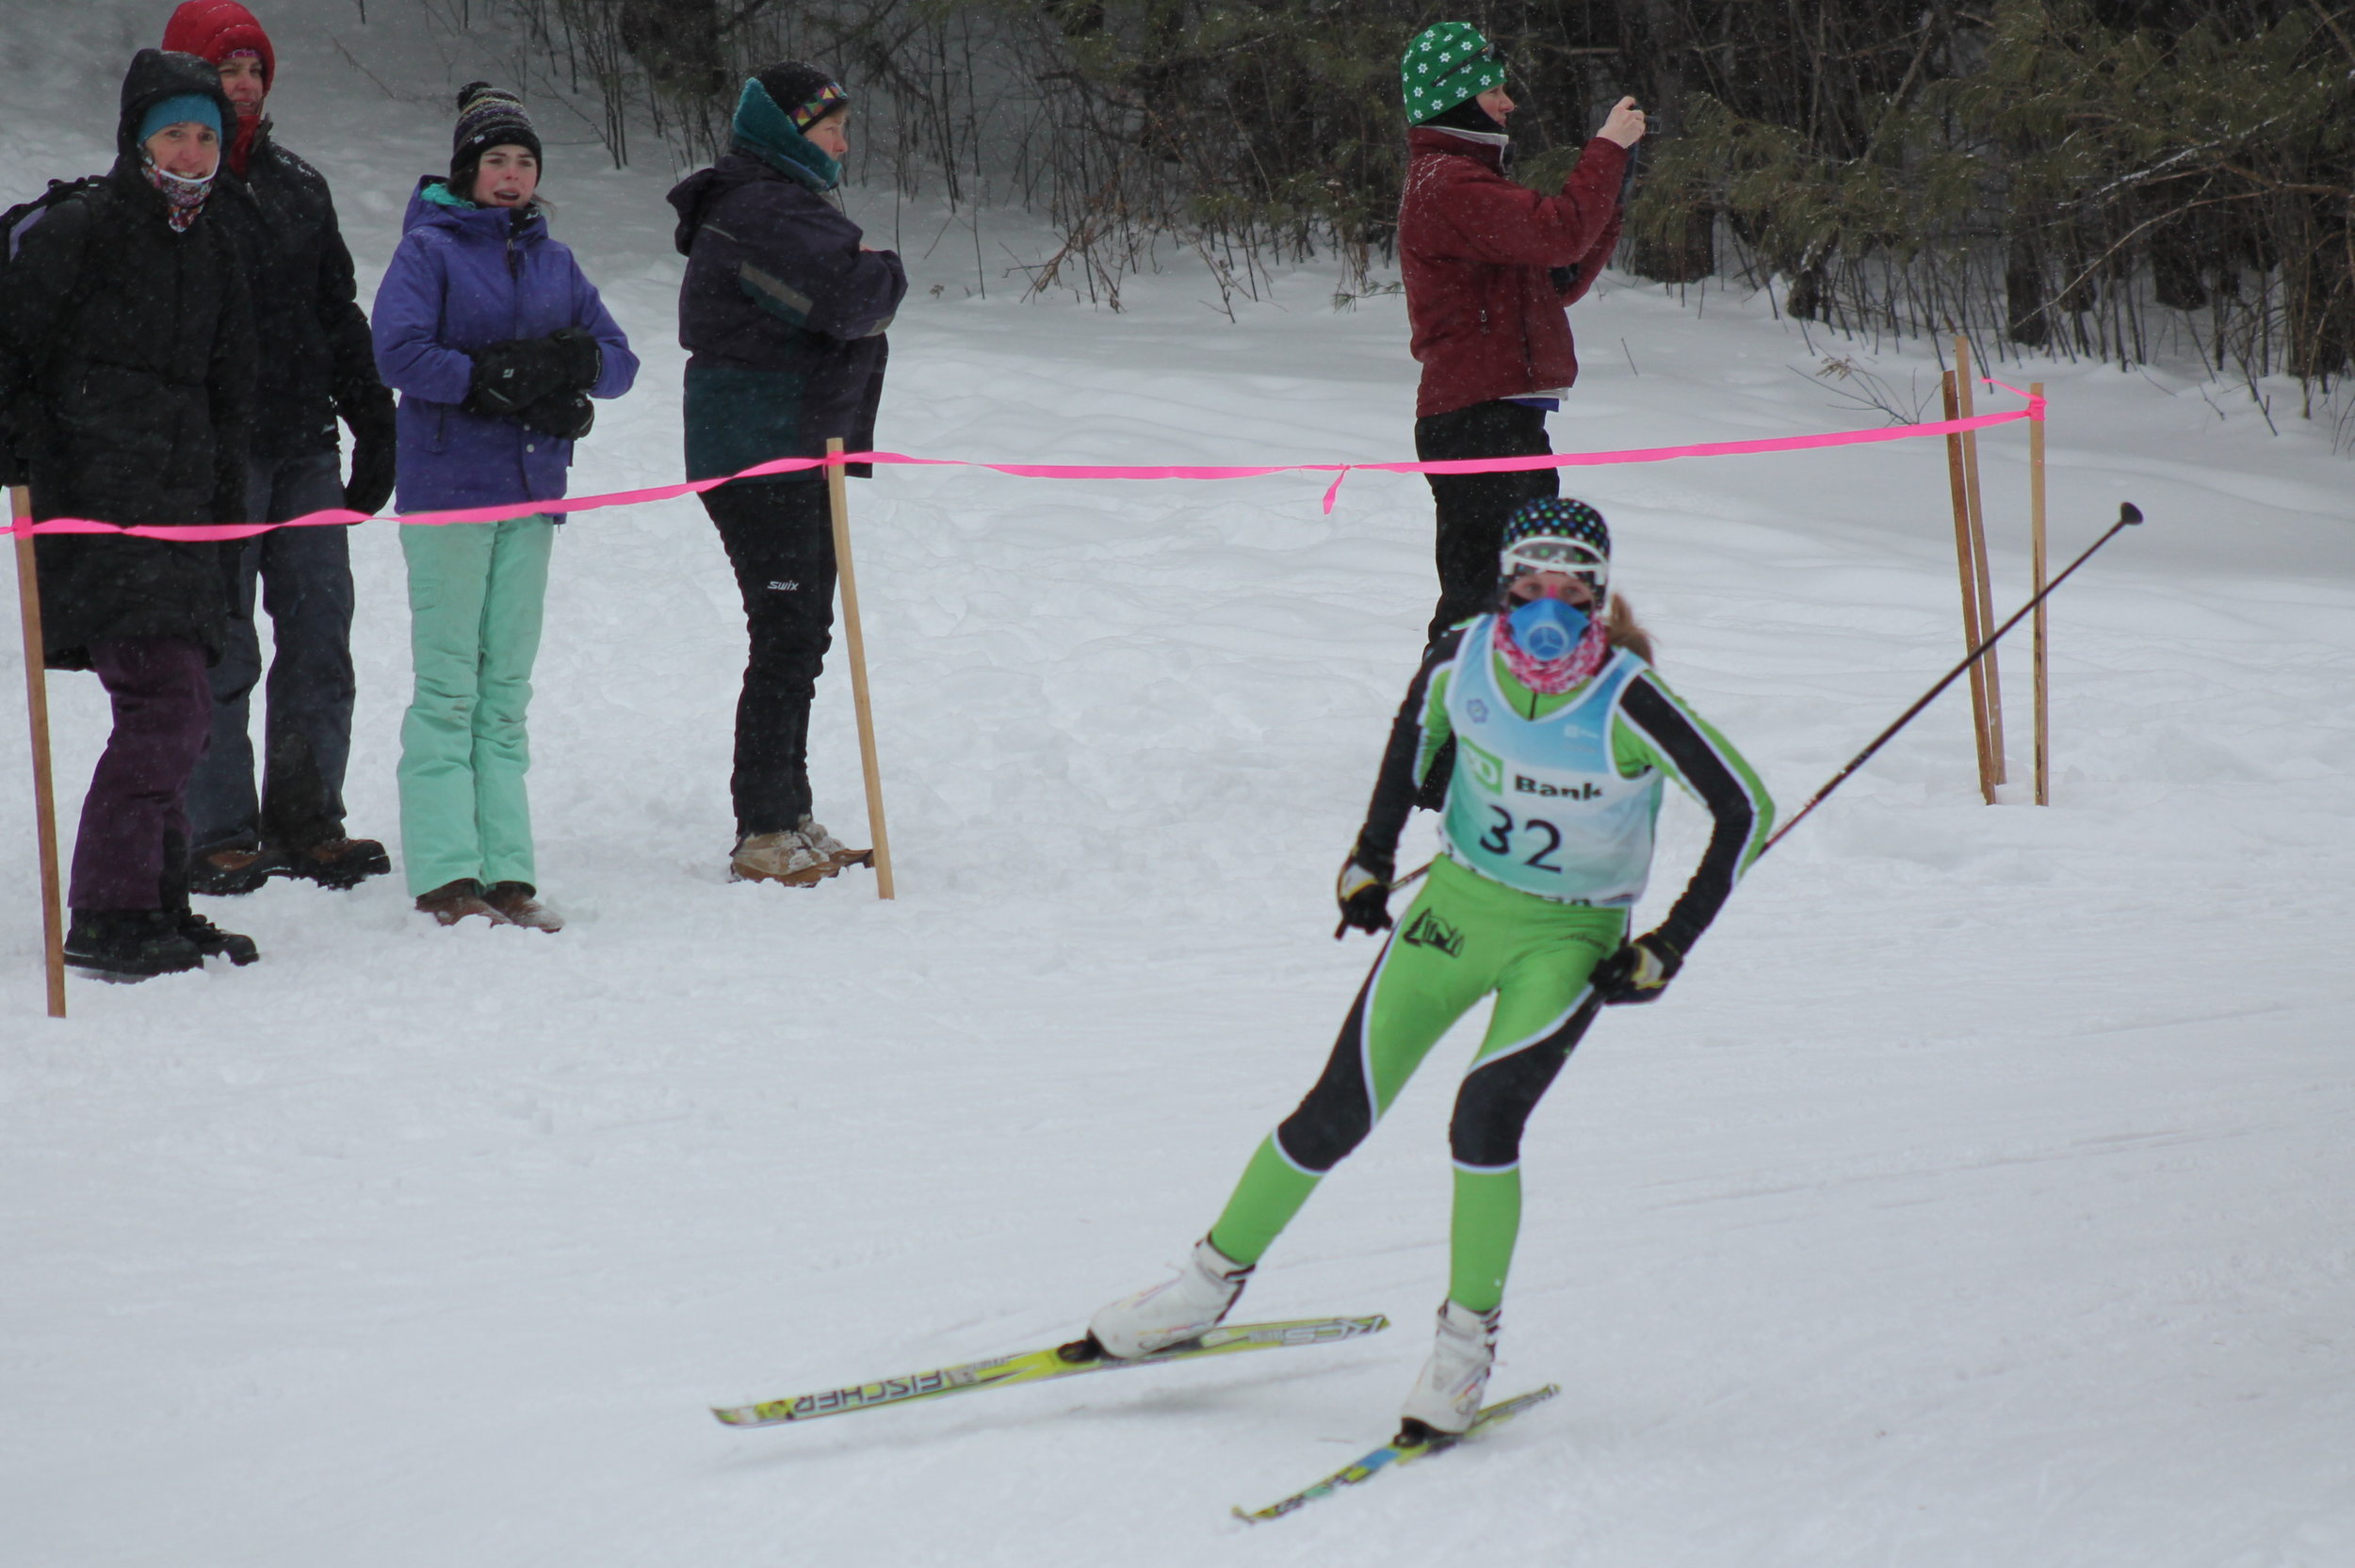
[{"x": 1463, "y": 938}]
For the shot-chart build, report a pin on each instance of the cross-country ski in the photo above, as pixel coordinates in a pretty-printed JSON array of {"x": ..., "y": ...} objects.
[
  {"x": 1068, "y": 1360},
  {"x": 1413, "y": 1442}
]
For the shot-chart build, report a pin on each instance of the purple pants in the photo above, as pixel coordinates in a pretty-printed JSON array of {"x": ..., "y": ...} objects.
[{"x": 132, "y": 848}]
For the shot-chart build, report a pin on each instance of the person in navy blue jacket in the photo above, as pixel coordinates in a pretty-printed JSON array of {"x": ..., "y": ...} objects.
[
  {"x": 783, "y": 309},
  {"x": 496, "y": 342}
]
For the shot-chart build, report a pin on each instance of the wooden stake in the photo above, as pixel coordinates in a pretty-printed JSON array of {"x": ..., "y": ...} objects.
[
  {"x": 839, "y": 502},
  {"x": 1972, "y": 616},
  {"x": 37, "y": 713},
  {"x": 2036, "y": 567},
  {"x": 1965, "y": 385}
]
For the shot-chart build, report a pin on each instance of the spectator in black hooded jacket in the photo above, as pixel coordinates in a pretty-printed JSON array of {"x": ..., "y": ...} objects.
[
  {"x": 783, "y": 309},
  {"x": 316, "y": 364},
  {"x": 127, "y": 370}
]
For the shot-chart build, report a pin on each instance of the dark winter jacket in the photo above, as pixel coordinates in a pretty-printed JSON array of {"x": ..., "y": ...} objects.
[
  {"x": 316, "y": 361},
  {"x": 783, "y": 315},
  {"x": 1474, "y": 251},
  {"x": 126, "y": 374},
  {"x": 463, "y": 279}
]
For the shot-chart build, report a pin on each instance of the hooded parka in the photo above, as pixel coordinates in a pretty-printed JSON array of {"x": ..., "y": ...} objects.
[
  {"x": 463, "y": 279},
  {"x": 783, "y": 314},
  {"x": 126, "y": 360}
]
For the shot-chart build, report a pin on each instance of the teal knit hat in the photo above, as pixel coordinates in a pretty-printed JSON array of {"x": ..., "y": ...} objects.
[{"x": 1447, "y": 62}]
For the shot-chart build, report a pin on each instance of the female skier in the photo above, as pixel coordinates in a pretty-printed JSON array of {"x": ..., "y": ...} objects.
[
  {"x": 1562, "y": 732},
  {"x": 496, "y": 342}
]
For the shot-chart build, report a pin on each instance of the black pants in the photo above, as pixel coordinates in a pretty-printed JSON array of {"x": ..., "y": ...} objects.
[
  {"x": 781, "y": 543},
  {"x": 305, "y": 587},
  {"x": 1472, "y": 506}
]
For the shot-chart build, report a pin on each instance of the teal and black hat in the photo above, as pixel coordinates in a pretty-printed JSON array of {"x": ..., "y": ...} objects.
[{"x": 1447, "y": 63}]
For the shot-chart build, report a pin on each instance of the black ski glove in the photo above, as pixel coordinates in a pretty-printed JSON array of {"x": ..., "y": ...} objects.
[
  {"x": 1364, "y": 893},
  {"x": 511, "y": 376},
  {"x": 1638, "y": 972},
  {"x": 566, "y": 415},
  {"x": 375, "y": 448},
  {"x": 578, "y": 357}
]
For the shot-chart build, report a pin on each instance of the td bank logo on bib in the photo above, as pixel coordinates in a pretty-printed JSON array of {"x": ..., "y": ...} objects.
[{"x": 1524, "y": 784}]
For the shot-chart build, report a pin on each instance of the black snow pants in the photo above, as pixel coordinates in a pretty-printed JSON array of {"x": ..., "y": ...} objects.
[
  {"x": 1472, "y": 506},
  {"x": 779, "y": 541},
  {"x": 305, "y": 589}
]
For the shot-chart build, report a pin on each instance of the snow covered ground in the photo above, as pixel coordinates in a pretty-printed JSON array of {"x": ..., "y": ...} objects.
[{"x": 1978, "y": 1197}]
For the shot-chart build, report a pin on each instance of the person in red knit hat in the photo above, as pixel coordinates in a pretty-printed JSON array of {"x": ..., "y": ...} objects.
[
  {"x": 225, "y": 33},
  {"x": 316, "y": 364}
]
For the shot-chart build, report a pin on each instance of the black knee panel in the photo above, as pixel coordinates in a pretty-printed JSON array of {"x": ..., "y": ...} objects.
[
  {"x": 1335, "y": 1116},
  {"x": 1494, "y": 1103}
]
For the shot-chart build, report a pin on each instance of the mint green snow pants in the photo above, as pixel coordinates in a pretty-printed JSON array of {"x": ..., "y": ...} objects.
[
  {"x": 475, "y": 597},
  {"x": 1462, "y": 939}
]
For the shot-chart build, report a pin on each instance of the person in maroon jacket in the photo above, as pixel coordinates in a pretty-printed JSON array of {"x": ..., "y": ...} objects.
[{"x": 1490, "y": 268}]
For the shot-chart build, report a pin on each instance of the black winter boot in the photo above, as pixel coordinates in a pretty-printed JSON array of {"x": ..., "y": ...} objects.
[
  {"x": 335, "y": 862},
  {"x": 125, "y": 945},
  {"x": 212, "y": 942}
]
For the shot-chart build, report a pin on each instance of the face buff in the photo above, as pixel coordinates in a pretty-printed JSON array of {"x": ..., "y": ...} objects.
[
  {"x": 1551, "y": 645},
  {"x": 183, "y": 198}
]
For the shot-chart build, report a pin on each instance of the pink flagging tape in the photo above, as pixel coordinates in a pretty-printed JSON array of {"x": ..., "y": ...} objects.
[{"x": 199, "y": 533}]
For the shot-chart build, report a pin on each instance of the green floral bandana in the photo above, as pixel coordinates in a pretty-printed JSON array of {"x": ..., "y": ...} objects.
[{"x": 1447, "y": 62}]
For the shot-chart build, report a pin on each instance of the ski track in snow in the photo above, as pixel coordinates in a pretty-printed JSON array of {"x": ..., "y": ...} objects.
[{"x": 1978, "y": 1198}]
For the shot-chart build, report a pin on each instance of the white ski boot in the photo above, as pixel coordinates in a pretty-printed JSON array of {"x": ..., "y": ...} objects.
[
  {"x": 1446, "y": 1397},
  {"x": 1174, "y": 1311}
]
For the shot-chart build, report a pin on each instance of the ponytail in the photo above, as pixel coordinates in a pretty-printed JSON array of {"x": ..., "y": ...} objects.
[{"x": 1625, "y": 631}]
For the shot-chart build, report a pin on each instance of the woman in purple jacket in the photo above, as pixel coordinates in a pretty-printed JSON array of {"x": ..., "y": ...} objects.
[{"x": 495, "y": 342}]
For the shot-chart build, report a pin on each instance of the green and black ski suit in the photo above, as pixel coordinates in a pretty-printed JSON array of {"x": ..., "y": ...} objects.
[{"x": 1547, "y": 842}]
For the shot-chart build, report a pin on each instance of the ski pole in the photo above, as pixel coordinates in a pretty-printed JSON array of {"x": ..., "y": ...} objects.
[{"x": 2128, "y": 514}]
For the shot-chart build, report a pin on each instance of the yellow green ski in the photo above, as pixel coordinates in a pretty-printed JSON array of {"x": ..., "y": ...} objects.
[
  {"x": 1401, "y": 1449},
  {"x": 1058, "y": 1361}
]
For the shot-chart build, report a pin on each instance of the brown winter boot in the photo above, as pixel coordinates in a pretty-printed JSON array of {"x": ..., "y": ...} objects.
[
  {"x": 516, "y": 901},
  {"x": 454, "y": 901},
  {"x": 788, "y": 858}
]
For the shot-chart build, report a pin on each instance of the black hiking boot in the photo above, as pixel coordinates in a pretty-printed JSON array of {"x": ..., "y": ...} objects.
[
  {"x": 126, "y": 945},
  {"x": 210, "y": 941},
  {"x": 335, "y": 862}
]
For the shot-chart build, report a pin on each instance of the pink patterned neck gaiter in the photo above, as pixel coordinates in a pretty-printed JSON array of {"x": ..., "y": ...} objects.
[
  {"x": 183, "y": 198},
  {"x": 1552, "y": 677}
]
